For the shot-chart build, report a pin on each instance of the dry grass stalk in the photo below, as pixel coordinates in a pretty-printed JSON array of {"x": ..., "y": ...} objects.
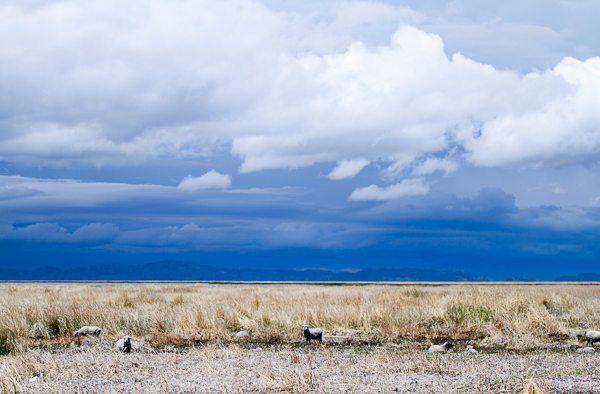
[{"x": 533, "y": 388}]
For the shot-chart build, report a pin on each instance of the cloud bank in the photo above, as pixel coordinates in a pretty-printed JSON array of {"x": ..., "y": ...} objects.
[{"x": 124, "y": 84}]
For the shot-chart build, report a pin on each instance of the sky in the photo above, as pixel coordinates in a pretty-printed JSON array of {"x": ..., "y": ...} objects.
[{"x": 316, "y": 134}]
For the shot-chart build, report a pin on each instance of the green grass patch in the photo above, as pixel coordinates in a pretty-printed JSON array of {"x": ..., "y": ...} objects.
[{"x": 462, "y": 314}]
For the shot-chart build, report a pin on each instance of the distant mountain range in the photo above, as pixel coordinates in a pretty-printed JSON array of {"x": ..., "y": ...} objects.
[
  {"x": 587, "y": 277},
  {"x": 188, "y": 271}
]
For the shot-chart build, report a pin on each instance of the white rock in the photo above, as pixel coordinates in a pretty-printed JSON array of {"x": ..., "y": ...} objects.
[
  {"x": 242, "y": 335},
  {"x": 470, "y": 349},
  {"x": 586, "y": 350},
  {"x": 258, "y": 349},
  {"x": 34, "y": 379}
]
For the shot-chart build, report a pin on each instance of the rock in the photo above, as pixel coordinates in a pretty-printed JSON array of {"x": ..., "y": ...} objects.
[
  {"x": 586, "y": 350},
  {"x": 470, "y": 349},
  {"x": 33, "y": 380},
  {"x": 242, "y": 335},
  {"x": 258, "y": 349},
  {"x": 337, "y": 339}
]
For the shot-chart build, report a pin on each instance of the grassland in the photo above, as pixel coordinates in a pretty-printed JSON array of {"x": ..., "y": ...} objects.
[{"x": 387, "y": 327}]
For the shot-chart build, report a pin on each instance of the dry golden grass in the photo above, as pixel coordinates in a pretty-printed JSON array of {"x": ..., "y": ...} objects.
[
  {"x": 511, "y": 316},
  {"x": 533, "y": 388}
]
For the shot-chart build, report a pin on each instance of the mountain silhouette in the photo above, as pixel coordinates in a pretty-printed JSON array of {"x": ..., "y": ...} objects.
[
  {"x": 585, "y": 277},
  {"x": 175, "y": 270}
]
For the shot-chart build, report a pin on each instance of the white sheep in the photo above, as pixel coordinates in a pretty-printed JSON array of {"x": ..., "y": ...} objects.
[
  {"x": 440, "y": 348},
  {"x": 242, "y": 335},
  {"x": 123, "y": 344},
  {"x": 471, "y": 349},
  {"x": 88, "y": 330},
  {"x": 592, "y": 336},
  {"x": 312, "y": 333}
]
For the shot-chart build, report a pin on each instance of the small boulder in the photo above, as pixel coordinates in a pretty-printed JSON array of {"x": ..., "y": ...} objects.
[
  {"x": 578, "y": 333},
  {"x": 242, "y": 335},
  {"x": 587, "y": 349},
  {"x": 471, "y": 349}
]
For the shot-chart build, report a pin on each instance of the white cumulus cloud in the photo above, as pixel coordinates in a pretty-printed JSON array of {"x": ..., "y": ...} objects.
[
  {"x": 408, "y": 187},
  {"x": 210, "y": 180},
  {"x": 562, "y": 127},
  {"x": 348, "y": 168},
  {"x": 433, "y": 164}
]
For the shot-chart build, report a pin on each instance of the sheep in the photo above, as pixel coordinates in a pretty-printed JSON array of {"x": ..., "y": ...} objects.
[
  {"x": 242, "y": 335},
  {"x": 440, "y": 348},
  {"x": 88, "y": 330},
  {"x": 312, "y": 333},
  {"x": 123, "y": 344},
  {"x": 471, "y": 349},
  {"x": 592, "y": 336}
]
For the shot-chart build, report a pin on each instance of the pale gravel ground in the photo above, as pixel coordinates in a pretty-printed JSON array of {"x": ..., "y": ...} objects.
[{"x": 312, "y": 369}]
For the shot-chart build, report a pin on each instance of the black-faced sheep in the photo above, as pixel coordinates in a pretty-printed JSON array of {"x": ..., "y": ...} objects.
[
  {"x": 440, "y": 348},
  {"x": 312, "y": 333},
  {"x": 592, "y": 336},
  {"x": 123, "y": 344},
  {"x": 88, "y": 330}
]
